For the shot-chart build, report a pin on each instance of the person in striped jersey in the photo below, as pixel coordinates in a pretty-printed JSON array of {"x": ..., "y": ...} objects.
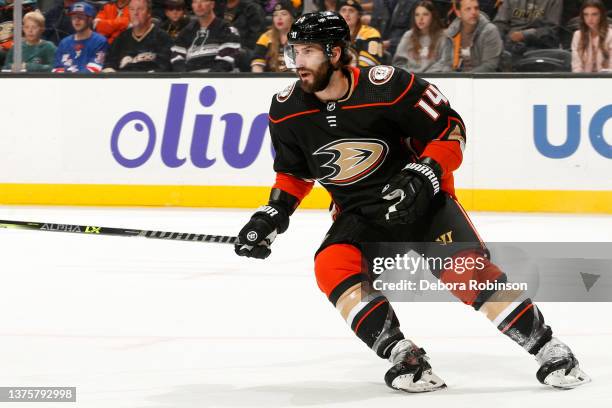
[
  {"x": 268, "y": 55},
  {"x": 366, "y": 42},
  {"x": 207, "y": 44}
]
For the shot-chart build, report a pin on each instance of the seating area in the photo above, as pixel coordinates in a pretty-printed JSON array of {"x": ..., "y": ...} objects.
[{"x": 422, "y": 36}]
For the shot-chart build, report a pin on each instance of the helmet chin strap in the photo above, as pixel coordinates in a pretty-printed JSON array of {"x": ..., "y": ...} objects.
[
  {"x": 330, "y": 67},
  {"x": 329, "y": 73}
]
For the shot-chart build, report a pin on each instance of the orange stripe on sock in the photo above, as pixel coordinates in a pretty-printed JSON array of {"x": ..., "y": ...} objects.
[
  {"x": 517, "y": 317},
  {"x": 366, "y": 315}
]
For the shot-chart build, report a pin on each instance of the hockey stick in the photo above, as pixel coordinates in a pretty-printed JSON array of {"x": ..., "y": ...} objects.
[{"x": 120, "y": 232}]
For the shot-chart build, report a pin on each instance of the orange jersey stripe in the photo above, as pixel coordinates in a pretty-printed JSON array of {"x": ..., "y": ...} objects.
[
  {"x": 293, "y": 115},
  {"x": 396, "y": 100},
  {"x": 292, "y": 185}
]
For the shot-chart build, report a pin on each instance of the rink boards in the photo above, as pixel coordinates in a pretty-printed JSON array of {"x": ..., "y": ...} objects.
[{"x": 534, "y": 144}]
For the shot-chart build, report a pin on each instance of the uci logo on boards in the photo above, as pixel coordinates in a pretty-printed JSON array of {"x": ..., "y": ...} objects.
[{"x": 574, "y": 120}]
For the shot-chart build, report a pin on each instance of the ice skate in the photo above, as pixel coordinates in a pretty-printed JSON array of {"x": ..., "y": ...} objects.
[
  {"x": 558, "y": 366},
  {"x": 411, "y": 372}
]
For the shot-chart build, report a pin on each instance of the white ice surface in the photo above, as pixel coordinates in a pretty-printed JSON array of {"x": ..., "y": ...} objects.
[{"x": 144, "y": 323}]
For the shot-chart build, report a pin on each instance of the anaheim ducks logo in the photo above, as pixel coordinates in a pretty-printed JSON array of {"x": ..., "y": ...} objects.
[{"x": 352, "y": 159}]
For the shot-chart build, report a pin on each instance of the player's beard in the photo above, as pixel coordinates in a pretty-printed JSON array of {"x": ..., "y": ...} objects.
[{"x": 320, "y": 78}]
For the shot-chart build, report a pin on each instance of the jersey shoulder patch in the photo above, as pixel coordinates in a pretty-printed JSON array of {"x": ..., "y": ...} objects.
[
  {"x": 286, "y": 93},
  {"x": 381, "y": 85},
  {"x": 289, "y": 103},
  {"x": 380, "y": 74}
]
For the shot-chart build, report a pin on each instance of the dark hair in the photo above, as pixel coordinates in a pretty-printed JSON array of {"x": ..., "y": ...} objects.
[
  {"x": 346, "y": 58},
  {"x": 435, "y": 30},
  {"x": 602, "y": 30},
  {"x": 456, "y": 4}
]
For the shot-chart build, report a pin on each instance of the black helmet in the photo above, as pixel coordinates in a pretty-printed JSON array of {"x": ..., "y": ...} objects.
[{"x": 327, "y": 28}]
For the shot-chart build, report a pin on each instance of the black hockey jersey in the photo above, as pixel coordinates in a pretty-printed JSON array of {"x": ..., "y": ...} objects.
[
  {"x": 147, "y": 53},
  {"x": 206, "y": 49},
  {"x": 355, "y": 145}
]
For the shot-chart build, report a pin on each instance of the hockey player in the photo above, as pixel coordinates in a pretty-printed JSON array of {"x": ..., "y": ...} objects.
[{"x": 381, "y": 138}]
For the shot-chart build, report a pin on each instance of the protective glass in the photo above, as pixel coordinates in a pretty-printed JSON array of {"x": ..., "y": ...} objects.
[
  {"x": 289, "y": 54},
  {"x": 306, "y": 55}
]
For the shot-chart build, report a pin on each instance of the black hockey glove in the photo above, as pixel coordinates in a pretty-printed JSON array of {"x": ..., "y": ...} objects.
[
  {"x": 267, "y": 222},
  {"x": 412, "y": 190},
  {"x": 259, "y": 233}
]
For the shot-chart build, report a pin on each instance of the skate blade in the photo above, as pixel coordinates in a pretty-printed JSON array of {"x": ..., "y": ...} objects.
[
  {"x": 427, "y": 383},
  {"x": 558, "y": 379}
]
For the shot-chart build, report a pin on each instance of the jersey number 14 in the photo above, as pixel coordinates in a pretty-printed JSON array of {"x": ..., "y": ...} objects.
[{"x": 432, "y": 97}]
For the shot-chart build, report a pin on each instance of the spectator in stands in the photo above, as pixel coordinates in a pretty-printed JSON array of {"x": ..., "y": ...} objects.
[
  {"x": 269, "y": 5},
  {"x": 570, "y": 20},
  {"x": 85, "y": 50},
  {"x": 488, "y": 7},
  {"x": 528, "y": 24},
  {"x": 571, "y": 10},
  {"x": 477, "y": 45},
  {"x": 592, "y": 43},
  {"x": 207, "y": 44},
  {"x": 57, "y": 21},
  {"x": 248, "y": 18},
  {"x": 37, "y": 54},
  {"x": 176, "y": 17},
  {"x": 426, "y": 47},
  {"x": 366, "y": 43},
  {"x": 113, "y": 19},
  {"x": 6, "y": 24},
  {"x": 392, "y": 19},
  {"x": 144, "y": 47},
  {"x": 269, "y": 49}
]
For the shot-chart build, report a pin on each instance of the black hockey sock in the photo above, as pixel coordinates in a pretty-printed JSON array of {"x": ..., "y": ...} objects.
[
  {"x": 377, "y": 326},
  {"x": 368, "y": 313},
  {"x": 525, "y": 325}
]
